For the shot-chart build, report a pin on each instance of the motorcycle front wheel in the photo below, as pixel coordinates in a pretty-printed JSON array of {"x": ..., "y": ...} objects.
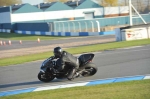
[{"x": 45, "y": 77}]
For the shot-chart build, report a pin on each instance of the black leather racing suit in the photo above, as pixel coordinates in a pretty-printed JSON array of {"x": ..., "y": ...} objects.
[{"x": 69, "y": 60}]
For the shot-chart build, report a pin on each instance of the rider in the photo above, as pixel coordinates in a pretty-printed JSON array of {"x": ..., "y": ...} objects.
[{"x": 66, "y": 59}]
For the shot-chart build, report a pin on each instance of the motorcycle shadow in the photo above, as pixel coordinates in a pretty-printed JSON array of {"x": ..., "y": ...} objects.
[
  {"x": 35, "y": 83},
  {"x": 20, "y": 84}
]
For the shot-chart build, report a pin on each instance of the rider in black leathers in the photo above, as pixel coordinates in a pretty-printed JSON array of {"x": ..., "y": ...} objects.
[{"x": 66, "y": 58}]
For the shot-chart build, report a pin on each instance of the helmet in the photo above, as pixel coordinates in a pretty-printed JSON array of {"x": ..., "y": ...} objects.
[{"x": 57, "y": 52}]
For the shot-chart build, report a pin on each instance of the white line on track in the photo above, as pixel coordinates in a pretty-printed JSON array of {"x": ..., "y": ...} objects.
[
  {"x": 125, "y": 51},
  {"x": 131, "y": 47}
]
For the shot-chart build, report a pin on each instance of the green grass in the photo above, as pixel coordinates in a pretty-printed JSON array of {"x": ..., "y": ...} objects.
[
  {"x": 124, "y": 90},
  {"x": 14, "y": 36},
  {"x": 76, "y": 50}
]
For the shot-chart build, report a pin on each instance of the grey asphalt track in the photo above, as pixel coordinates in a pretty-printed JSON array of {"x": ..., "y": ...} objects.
[
  {"x": 111, "y": 63},
  {"x": 28, "y": 44},
  {"x": 44, "y": 46}
]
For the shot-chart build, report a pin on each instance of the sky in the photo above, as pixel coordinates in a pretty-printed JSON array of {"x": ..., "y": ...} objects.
[{"x": 32, "y": 2}]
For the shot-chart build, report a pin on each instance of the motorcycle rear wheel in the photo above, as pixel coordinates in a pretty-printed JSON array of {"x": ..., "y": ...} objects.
[
  {"x": 45, "y": 78},
  {"x": 90, "y": 70}
]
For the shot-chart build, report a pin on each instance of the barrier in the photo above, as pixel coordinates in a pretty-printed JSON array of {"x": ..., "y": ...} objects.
[
  {"x": 20, "y": 41},
  {"x": 38, "y": 40},
  {"x": 118, "y": 34},
  {"x": 66, "y": 33},
  {"x": 148, "y": 30},
  {"x": 9, "y": 42},
  {"x": 1, "y": 43},
  {"x": 132, "y": 33},
  {"x": 5, "y": 43},
  {"x": 5, "y": 30}
]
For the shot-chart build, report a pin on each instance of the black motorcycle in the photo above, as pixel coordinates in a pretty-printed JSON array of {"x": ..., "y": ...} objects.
[{"x": 48, "y": 67}]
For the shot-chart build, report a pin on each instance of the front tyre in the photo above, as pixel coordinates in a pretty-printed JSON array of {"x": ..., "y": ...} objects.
[{"x": 45, "y": 77}]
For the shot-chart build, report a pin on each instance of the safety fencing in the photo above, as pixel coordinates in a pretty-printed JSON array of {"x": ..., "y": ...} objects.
[
  {"x": 95, "y": 25},
  {"x": 66, "y": 33},
  {"x": 5, "y": 30}
]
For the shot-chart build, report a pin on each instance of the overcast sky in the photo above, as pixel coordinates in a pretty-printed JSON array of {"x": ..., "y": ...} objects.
[{"x": 33, "y": 2}]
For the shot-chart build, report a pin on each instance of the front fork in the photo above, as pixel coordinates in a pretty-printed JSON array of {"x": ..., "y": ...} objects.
[{"x": 41, "y": 70}]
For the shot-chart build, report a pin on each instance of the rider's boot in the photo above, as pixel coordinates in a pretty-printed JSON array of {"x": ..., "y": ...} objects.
[
  {"x": 76, "y": 75},
  {"x": 71, "y": 74}
]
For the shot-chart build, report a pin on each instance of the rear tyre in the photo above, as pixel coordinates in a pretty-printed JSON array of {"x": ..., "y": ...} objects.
[
  {"x": 45, "y": 77},
  {"x": 90, "y": 70},
  {"x": 61, "y": 76}
]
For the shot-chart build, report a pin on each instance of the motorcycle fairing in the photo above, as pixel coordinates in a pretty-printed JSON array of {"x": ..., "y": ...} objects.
[{"x": 85, "y": 58}]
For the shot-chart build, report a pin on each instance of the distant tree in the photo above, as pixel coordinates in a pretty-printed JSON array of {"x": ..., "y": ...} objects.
[
  {"x": 108, "y": 2},
  {"x": 149, "y": 4},
  {"x": 144, "y": 6},
  {"x": 9, "y": 2},
  {"x": 49, "y": 0},
  {"x": 140, "y": 5},
  {"x": 63, "y": 0},
  {"x": 124, "y": 3}
]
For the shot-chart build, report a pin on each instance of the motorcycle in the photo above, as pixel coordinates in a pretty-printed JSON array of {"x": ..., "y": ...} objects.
[{"x": 86, "y": 68}]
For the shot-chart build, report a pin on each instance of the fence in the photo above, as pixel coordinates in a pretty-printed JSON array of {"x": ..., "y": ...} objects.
[
  {"x": 141, "y": 6},
  {"x": 96, "y": 25}
]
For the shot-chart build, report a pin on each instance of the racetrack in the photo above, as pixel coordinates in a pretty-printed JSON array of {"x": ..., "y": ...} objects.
[
  {"x": 111, "y": 63},
  {"x": 32, "y": 47},
  {"x": 28, "y": 44}
]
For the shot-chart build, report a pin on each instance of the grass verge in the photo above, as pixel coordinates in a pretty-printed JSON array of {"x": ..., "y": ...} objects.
[
  {"x": 123, "y": 90},
  {"x": 15, "y": 36},
  {"x": 76, "y": 50}
]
